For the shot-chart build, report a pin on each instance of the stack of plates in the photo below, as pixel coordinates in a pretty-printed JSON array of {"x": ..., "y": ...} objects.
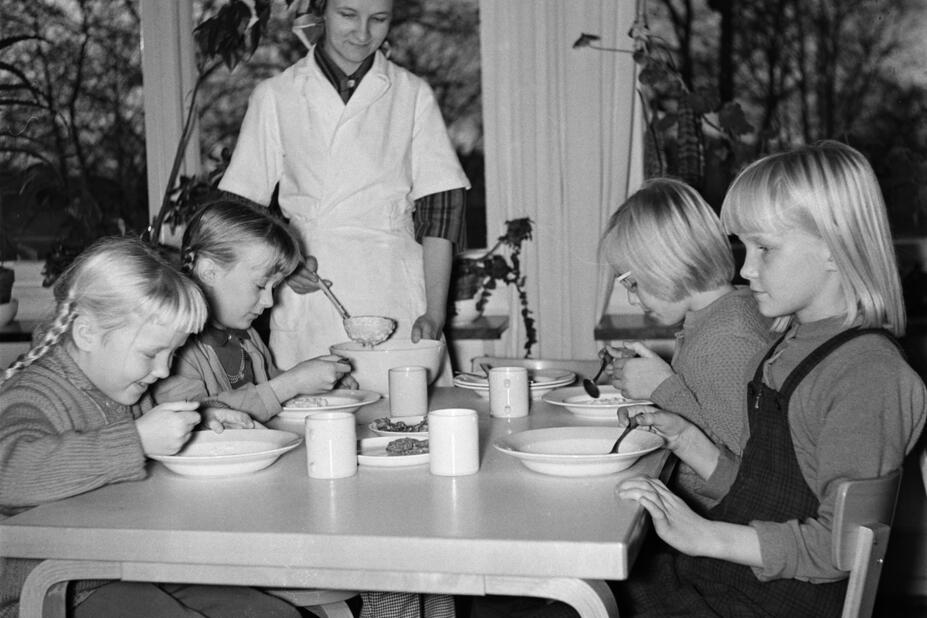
[{"x": 540, "y": 381}]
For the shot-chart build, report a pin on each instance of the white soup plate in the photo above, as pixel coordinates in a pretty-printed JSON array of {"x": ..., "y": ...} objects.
[
  {"x": 579, "y": 402},
  {"x": 341, "y": 399},
  {"x": 577, "y": 451},
  {"x": 230, "y": 453}
]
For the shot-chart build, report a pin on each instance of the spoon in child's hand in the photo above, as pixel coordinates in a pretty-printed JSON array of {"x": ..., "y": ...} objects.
[
  {"x": 591, "y": 387},
  {"x": 632, "y": 423}
]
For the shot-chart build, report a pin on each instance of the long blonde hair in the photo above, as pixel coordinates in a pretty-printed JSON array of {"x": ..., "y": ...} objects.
[
  {"x": 828, "y": 190},
  {"x": 670, "y": 239},
  {"x": 117, "y": 280}
]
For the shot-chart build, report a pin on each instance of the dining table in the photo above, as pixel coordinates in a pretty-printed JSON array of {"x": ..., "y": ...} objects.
[{"x": 505, "y": 530}]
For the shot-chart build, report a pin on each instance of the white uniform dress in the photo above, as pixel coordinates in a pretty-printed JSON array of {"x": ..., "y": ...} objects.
[{"x": 349, "y": 174}]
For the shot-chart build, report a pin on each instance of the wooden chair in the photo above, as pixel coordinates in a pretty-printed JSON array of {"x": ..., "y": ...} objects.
[
  {"x": 924, "y": 468},
  {"x": 862, "y": 523},
  {"x": 582, "y": 368}
]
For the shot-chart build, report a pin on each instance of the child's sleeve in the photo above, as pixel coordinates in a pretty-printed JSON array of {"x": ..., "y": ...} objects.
[
  {"x": 43, "y": 458},
  {"x": 194, "y": 378},
  {"x": 710, "y": 386}
]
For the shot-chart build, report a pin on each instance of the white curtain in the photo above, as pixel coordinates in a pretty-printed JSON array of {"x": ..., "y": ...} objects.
[{"x": 560, "y": 149}]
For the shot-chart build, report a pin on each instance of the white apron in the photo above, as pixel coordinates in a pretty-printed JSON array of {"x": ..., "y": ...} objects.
[{"x": 348, "y": 174}]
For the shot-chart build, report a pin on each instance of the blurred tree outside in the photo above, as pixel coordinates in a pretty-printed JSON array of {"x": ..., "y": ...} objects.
[
  {"x": 763, "y": 76},
  {"x": 72, "y": 150}
]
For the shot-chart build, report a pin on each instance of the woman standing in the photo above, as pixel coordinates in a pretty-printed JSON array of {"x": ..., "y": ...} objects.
[{"x": 357, "y": 144}]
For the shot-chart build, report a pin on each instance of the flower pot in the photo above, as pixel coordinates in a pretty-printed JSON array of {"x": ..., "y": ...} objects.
[{"x": 465, "y": 311}]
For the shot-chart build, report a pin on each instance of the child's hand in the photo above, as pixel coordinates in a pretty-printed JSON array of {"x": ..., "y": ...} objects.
[
  {"x": 673, "y": 520},
  {"x": 348, "y": 382},
  {"x": 304, "y": 279},
  {"x": 639, "y": 376},
  {"x": 316, "y": 375},
  {"x": 426, "y": 327},
  {"x": 683, "y": 437},
  {"x": 166, "y": 428},
  {"x": 220, "y": 419}
]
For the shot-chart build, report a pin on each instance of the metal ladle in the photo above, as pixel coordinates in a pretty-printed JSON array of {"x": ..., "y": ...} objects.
[{"x": 367, "y": 330}]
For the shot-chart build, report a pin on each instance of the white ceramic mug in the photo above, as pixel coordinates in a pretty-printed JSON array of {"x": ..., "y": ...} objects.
[
  {"x": 408, "y": 391},
  {"x": 453, "y": 442},
  {"x": 508, "y": 392},
  {"x": 331, "y": 445}
]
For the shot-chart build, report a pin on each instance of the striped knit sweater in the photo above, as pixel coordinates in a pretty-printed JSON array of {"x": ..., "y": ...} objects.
[{"x": 59, "y": 436}]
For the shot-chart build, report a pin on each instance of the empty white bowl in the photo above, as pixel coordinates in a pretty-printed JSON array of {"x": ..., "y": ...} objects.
[{"x": 370, "y": 366}]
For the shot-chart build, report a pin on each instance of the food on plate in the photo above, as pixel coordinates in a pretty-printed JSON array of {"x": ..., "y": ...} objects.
[
  {"x": 395, "y": 425},
  {"x": 307, "y": 401},
  {"x": 601, "y": 401},
  {"x": 407, "y": 446}
]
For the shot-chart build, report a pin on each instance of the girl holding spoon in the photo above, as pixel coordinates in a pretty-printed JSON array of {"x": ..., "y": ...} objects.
[
  {"x": 675, "y": 261},
  {"x": 239, "y": 254}
]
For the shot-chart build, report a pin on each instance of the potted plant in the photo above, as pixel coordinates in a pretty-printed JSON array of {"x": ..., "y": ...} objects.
[{"x": 477, "y": 273}]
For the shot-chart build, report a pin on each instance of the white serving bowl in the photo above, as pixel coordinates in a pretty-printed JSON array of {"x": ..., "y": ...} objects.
[{"x": 370, "y": 366}]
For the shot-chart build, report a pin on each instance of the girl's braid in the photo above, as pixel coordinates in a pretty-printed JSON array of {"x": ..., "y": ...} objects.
[
  {"x": 188, "y": 259},
  {"x": 56, "y": 329}
]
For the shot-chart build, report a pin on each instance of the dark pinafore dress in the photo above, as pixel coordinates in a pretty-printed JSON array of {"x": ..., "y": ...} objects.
[{"x": 769, "y": 487}]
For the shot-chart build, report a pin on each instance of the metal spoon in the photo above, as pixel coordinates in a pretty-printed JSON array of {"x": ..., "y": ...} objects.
[
  {"x": 632, "y": 423},
  {"x": 590, "y": 385}
]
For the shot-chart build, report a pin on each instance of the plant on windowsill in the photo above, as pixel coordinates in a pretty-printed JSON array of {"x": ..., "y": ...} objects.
[{"x": 476, "y": 274}]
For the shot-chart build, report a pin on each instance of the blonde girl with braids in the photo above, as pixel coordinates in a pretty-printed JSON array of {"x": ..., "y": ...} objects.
[
  {"x": 75, "y": 412},
  {"x": 239, "y": 255}
]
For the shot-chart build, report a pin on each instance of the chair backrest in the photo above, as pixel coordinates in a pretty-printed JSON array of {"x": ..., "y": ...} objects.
[
  {"x": 924, "y": 468},
  {"x": 863, "y": 516},
  {"x": 586, "y": 368}
]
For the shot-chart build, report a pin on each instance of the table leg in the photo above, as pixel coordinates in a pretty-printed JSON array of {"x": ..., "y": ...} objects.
[
  {"x": 591, "y": 598},
  {"x": 44, "y": 594}
]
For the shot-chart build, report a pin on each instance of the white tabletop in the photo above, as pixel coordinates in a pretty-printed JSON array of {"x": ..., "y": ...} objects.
[{"x": 385, "y": 528}]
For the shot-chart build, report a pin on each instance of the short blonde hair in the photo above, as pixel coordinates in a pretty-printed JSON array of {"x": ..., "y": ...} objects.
[
  {"x": 117, "y": 280},
  {"x": 670, "y": 239},
  {"x": 828, "y": 190}
]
